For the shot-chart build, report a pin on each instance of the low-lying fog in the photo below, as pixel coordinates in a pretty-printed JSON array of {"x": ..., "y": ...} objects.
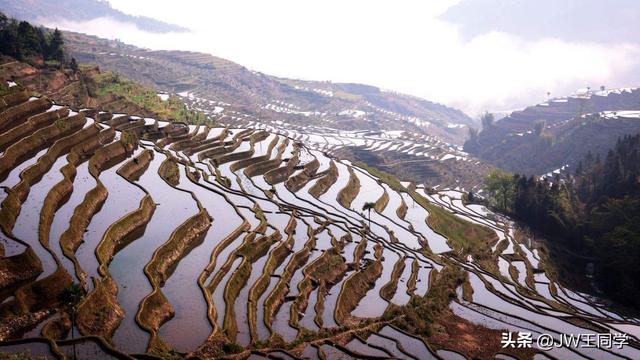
[{"x": 401, "y": 46}]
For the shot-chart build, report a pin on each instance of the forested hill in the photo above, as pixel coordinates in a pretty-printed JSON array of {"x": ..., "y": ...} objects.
[
  {"x": 22, "y": 41},
  {"x": 594, "y": 215},
  {"x": 35, "y": 57},
  {"x": 557, "y": 133}
]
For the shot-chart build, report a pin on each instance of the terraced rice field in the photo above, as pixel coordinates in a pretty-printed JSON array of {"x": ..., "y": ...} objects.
[
  {"x": 400, "y": 144},
  {"x": 422, "y": 156},
  {"x": 182, "y": 234}
]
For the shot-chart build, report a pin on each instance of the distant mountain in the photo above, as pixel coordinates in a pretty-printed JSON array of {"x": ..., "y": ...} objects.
[
  {"x": 213, "y": 84},
  {"x": 36, "y": 10},
  {"x": 559, "y": 133},
  {"x": 574, "y": 20}
]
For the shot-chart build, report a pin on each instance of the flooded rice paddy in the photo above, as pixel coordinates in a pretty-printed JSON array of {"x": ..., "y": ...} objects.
[{"x": 252, "y": 236}]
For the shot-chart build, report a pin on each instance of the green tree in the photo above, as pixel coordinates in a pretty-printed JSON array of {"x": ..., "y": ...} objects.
[
  {"x": 4, "y": 21},
  {"x": 30, "y": 40},
  {"x": 471, "y": 197},
  {"x": 9, "y": 41},
  {"x": 538, "y": 126},
  {"x": 501, "y": 187},
  {"x": 596, "y": 215},
  {"x": 56, "y": 47},
  {"x": 73, "y": 64},
  {"x": 71, "y": 298},
  {"x": 368, "y": 206},
  {"x": 487, "y": 120},
  {"x": 473, "y": 134},
  {"x": 23, "y": 41}
]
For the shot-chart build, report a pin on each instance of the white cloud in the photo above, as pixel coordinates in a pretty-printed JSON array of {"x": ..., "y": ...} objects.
[{"x": 399, "y": 45}]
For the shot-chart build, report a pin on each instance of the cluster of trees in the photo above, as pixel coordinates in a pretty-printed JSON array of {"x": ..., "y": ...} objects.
[
  {"x": 538, "y": 126},
  {"x": 594, "y": 213},
  {"x": 487, "y": 120},
  {"x": 23, "y": 41}
]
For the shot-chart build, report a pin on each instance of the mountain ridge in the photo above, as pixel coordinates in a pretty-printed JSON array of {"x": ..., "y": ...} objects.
[
  {"x": 569, "y": 127},
  {"x": 308, "y": 102},
  {"x": 166, "y": 239},
  {"x": 574, "y": 20},
  {"x": 36, "y": 10}
]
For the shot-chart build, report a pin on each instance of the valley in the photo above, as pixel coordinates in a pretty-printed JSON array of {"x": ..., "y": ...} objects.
[
  {"x": 249, "y": 238},
  {"x": 345, "y": 118},
  {"x": 569, "y": 128},
  {"x": 176, "y": 205}
]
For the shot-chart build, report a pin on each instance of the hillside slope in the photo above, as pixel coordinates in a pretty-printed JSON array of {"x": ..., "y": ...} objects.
[
  {"x": 123, "y": 237},
  {"x": 90, "y": 87},
  {"x": 390, "y": 131},
  {"x": 37, "y": 10},
  {"x": 573, "y": 126},
  {"x": 591, "y": 220},
  {"x": 231, "y": 87},
  {"x": 202, "y": 242}
]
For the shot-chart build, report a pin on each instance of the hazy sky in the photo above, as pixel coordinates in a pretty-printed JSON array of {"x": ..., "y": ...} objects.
[{"x": 399, "y": 45}]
